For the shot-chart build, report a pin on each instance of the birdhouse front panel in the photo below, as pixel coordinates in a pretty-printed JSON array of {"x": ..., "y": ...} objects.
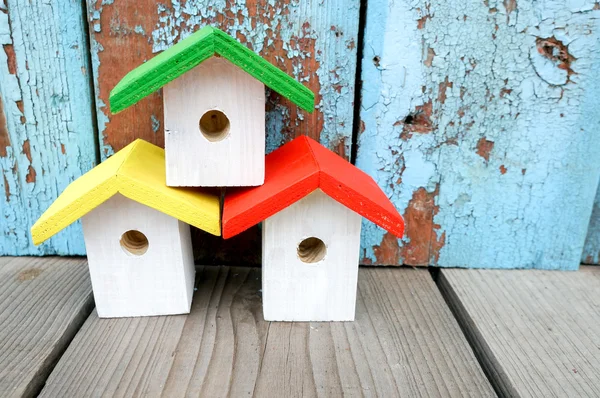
[
  {"x": 310, "y": 261},
  {"x": 140, "y": 260},
  {"x": 215, "y": 127}
]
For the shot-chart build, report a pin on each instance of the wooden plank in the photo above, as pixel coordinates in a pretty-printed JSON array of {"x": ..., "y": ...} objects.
[
  {"x": 47, "y": 136},
  {"x": 313, "y": 41},
  {"x": 591, "y": 249},
  {"x": 404, "y": 342},
  {"x": 535, "y": 332},
  {"x": 468, "y": 116},
  {"x": 43, "y": 303}
]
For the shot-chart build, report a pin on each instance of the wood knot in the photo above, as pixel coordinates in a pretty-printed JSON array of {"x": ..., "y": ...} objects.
[
  {"x": 552, "y": 61},
  {"x": 29, "y": 274}
]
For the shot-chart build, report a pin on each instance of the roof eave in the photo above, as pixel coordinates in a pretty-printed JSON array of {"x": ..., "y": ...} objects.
[{"x": 379, "y": 209}]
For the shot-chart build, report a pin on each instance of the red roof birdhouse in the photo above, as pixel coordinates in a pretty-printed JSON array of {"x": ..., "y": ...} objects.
[{"x": 311, "y": 206}]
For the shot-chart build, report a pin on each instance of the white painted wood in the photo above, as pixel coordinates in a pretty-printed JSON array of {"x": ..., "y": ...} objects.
[
  {"x": 159, "y": 282},
  {"x": 194, "y": 160},
  {"x": 325, "y": 290}
]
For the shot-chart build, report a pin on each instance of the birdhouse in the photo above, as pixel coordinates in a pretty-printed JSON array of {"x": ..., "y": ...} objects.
[
  {"x": 136, "y": 232},
  {"x": 214, "y": 107},
  {"x": 311, "y": 205}
]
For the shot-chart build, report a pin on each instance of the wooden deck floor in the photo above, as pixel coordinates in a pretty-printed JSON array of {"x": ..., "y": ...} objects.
[{"x": 473, "y": 333}]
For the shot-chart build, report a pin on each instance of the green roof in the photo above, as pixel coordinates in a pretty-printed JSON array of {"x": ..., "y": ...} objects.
[{"x": 189, "y": 53}]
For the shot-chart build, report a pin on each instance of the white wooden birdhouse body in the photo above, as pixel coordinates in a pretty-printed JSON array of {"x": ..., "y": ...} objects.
[
  {"x": 311, "y": 205},
  {"x": 136, "y": 232},
  {"x": 214, "y": 107},
  {"x": 214, "y": 119},
  {"x": 310, "y": 261},
  {"x": 140, "y": 260}
]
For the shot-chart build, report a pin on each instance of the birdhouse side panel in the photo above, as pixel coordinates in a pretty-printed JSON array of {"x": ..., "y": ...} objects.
[
  {"x": 310, "y": 261},
  {"x": 140, "y": 260},
  {"x": 215, "y": 127},
  {"x": 187, "y": 257}
]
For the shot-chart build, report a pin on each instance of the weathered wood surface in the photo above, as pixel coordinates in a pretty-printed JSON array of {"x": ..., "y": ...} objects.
[
  {"x": 47, "y": 134},
  {"x": 43, "y": 303},
  {"x": 591, "y": 250},
  {"x": 535, "y": 332},
  {"x": 480, "y": 119},
  {"x": 313, "y": 41},
  {"x": 403, "y": 342}
]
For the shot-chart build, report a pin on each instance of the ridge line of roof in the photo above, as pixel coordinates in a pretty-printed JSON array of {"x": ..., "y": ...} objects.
[
  {"x": 80, "y": 198},
  {"x": 359, "y": 193},
  {"x": 207, "y": 41},
  {"x": 134, "y": 145},
  {"x": 307, "y": 141}
]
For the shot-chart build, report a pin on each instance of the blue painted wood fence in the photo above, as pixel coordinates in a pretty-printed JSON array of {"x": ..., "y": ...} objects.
[
  {"x": 479, "y": 119},
  {"x": 47, "y": 134}
]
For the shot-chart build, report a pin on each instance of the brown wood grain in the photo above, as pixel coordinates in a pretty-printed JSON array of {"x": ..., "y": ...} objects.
[
  {"x": 535, "y": 332},
  {"x": 43, "y": 303},
  {"x": 404, "y": 342}
]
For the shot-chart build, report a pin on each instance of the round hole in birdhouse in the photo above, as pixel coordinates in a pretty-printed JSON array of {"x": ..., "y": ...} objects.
[
  {"x": 311, "y": 250},
  {"x": 214, "y": 125},
  {"x": 134, "y": 242}
]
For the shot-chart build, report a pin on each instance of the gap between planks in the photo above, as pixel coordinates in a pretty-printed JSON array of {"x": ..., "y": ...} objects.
[
  {"x": 534, "y": 332},
  {"x": 404, "y": 342}
]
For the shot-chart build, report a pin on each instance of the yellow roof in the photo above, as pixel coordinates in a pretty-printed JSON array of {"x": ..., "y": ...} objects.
[{"x": 138, "y": 173}]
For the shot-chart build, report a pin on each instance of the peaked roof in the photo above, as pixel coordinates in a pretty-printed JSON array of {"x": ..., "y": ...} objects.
[
  {"x": 195, "y": 49},
  {"x": 137, "y": 172},
  {"x": 297, "y": 169}
]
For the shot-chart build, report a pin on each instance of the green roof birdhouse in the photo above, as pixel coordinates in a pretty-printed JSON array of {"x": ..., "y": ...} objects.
[{"x": 214, "y": 107}]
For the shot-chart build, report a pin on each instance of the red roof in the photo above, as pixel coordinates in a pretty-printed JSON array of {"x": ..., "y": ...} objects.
[{"x": 297, "y": 169}]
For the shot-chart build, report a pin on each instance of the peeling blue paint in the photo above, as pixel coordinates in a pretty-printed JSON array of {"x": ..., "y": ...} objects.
[
  {"x": 392, "y": 88},
  {"x": 485, "y": 71},
  {"x": 139, "y": 30},
  {"x": 47, "y": 105},
  {"x": 155, "y": 123},
  {"x": 521, "y": 78},
  {"x": 101, "y": 108},
  {"x": 591, "y": 250},
  {"x": 275, "y": 123},
  {"x": 334, "y": 51}
]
